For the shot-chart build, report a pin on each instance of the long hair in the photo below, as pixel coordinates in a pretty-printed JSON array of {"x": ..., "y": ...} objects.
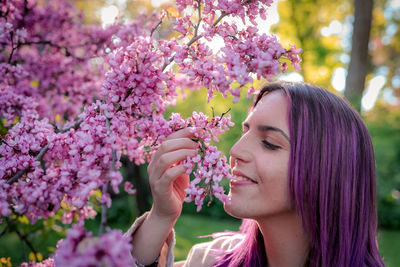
[{"x": 331, "y": 182}]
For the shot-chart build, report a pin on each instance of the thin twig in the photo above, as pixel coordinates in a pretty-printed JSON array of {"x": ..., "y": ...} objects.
[
  {"x": 23, "y": 238},
  {"x": 9, "y": 223},
  {"x": 12, "y": 47},
  {"x": 67, "y": 52},
  {"x": 75, "y": 126},
  {"x": 153, "y": 30},
  {"x": 4, "y": 141},
  {"x": 22, "y": 172},
  {"x": 196, "y": 29},
  {"x": 223, "y": 14},
  {"x": 226, "y": 112},
  {"x": 193, "y": 53},
  {"x": 222, "y": 115},
  {"x": 194, "y": 39}
]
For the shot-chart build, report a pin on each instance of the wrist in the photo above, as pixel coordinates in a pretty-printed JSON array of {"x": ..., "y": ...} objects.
[{"x": 160, "y": 219}]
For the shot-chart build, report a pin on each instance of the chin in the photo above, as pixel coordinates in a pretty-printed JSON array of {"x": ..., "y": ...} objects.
[
  {"x": 236, "y": 210},
  {"x": 231, "y": 213},
  {"x": 244, "y": 209}
]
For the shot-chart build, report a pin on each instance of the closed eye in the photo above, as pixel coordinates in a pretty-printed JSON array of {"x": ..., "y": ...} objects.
[{"x": 270, "y": 146}]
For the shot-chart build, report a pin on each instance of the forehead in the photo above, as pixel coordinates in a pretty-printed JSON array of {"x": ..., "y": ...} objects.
[{"x": 271, "y": 110}]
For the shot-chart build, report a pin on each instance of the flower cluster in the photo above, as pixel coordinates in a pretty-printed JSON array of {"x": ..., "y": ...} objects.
[
  {"x": 209, "y": 166},
  {"x": 20, "y": 150},
  {"x": 254, "y": 53},
  {"x": 210, "y": 169},
  {"x": 72, "y": 164},
  {"x": 77, "y": 162},
  {"x": 245, "y": 52},
  {"x": 80, "y": 249},
  {"x": 46, "y": 263},
  {"x": 243, "y": 9}
]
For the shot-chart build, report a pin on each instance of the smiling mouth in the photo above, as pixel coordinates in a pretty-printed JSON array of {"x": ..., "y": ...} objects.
[
  {"x": 239, "y": 179},
  {"x": 238, "y": 176}
]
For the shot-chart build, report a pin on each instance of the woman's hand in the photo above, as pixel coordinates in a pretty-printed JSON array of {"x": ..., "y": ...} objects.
[{"x": 168, "y": 178}]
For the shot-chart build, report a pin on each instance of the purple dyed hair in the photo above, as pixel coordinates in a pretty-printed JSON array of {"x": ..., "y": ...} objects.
[{"x": 331, "y": 182}]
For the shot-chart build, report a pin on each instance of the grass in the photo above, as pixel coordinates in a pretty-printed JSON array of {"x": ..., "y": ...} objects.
[
  {"x": 189, "y": 227},
  {"x": 389, "y": 247}
]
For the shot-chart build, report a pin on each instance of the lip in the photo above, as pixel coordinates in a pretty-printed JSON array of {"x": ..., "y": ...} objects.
[{"x": 241, "y": 182}]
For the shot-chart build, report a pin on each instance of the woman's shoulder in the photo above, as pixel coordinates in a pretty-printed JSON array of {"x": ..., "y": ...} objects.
[{"x": 205, "y": 254}]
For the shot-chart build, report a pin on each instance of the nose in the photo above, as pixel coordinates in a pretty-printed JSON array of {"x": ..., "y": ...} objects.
[{"x": 240, "y": 151}]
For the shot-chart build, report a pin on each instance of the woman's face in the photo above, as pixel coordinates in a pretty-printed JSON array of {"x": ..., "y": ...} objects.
[{"x": 259, "y": 162}]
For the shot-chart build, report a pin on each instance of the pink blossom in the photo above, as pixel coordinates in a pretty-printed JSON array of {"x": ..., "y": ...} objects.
[
  {"x": 128, "y": 187},
  {"x": 80, "y": 248}
]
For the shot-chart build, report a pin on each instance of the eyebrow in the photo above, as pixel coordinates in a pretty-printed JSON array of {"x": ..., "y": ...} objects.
[{"x": 264, "y": 128}]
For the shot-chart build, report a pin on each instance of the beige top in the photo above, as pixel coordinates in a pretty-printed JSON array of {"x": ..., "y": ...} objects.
[{"x": 200, "y": 255}]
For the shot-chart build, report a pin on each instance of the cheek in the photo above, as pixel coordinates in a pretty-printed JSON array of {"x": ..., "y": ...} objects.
[
  {"x": 273, "y": 175},
  {"x": 273, "y": 166}
]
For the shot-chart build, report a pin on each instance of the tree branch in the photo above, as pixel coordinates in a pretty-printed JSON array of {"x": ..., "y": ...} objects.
[
  {"x": 9, "y": 223},
  {"x": 67, "y": 52},
  {"x": 4, "y": 141},
  {"x": 75, "y": 126},
  {"x": 23, "y": 238},
  {"x": 22, "y": 172},
  {"x": 196, "y": 29},
  {"x": 153, "y": 30},
  {"x": 41, "y": 154},
  {"x": 194, "y": 39},
  {"x": 12, "y": 47},
  {"x": 223, "y": 14},
  {"x": 103, "y": 221}
]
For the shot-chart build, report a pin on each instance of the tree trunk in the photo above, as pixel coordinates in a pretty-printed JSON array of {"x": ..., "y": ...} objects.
[
  {"x": 141, "y": 184},
  {"x": 359, "y": 61}
]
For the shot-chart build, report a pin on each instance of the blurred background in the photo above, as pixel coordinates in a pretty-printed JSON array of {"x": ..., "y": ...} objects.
[{"x": 368, "y": 75}]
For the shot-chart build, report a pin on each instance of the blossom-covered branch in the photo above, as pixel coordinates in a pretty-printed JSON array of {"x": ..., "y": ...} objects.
[{"x": 75, "y": 97}]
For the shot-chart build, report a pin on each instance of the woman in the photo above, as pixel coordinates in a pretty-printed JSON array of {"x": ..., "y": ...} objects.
[{"x": 304, "y": 184}]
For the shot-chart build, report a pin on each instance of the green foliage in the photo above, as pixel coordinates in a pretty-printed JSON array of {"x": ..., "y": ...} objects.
[
  {"x": 189, "y": 228},
  {"x": 301, "y": 22},
  {"x": 389, "y": 245},
  {"x": 383, "y": 123},
  {"x": 43, "y": 236}
]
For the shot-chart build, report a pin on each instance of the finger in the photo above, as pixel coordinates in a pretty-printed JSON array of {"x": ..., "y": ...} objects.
[
  {"x": 178, "y": 143},
  {"x": 180, "y": 184},
  {"x": 185, "y": 132},
  {"x": 163, "y": 186},
  {"x": 168, "y": 146},
  {"x": 171, "y": 174},
  {"x": 169, "y": 158},
  {"x": 172, "y": 144}
]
